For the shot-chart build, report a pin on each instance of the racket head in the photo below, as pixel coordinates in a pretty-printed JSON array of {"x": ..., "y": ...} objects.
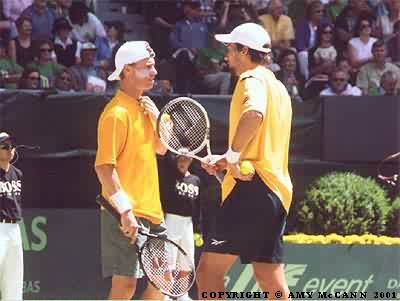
[
  {"x": 183, "y": 126},
  {"x": 167, "y": 266}
]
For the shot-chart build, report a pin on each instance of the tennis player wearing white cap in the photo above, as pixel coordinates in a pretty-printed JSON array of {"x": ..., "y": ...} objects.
[
  {"x": 252, "y": 216},
  {"x": 126, "y": 167}
]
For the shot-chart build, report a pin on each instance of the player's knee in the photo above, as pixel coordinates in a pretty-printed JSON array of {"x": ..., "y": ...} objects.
[
  {"x": 122, "y": 283},
  {"x": 207, "y": 271}
]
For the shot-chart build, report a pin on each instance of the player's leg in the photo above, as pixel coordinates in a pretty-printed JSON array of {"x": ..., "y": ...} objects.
[
  {"x": 119, "y": 259},
  {"x": 187, "y": 243},
  {"x": 265, "y": 214},
  {"x": 12, "y": 267},
  {"x": 211, "y": 272},
  {"x": 271, "y": 278},
  {"x": 122, "y": 287}
]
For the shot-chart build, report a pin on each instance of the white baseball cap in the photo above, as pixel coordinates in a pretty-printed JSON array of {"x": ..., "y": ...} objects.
[
  {"x": 129, "y": 53},
  {"x": 250, "y": 35}
]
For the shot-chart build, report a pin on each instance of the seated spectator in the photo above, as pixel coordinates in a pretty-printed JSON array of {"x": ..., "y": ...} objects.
[
  {"x": 162, "y": 18},
  {"x": 61, "y": 8},
  {"x": 190, "y": 35},
  {"x": 236, "y": 12},
  {"x": 360, "y": 48},
  {"x": 346, "y": 22},
  {"x": 290, "y": 75},
  {"x": 369, "y": 77},
  {"x": 339, "y": 85},
  {"x": 393, "y": 45},
  {"x": 386, "y": 22},
  {"x": 279, "y": 26},
  {"x": 306, "y": 33},
  {"x": 86, "y": 76},
  {"x": 10, "y": 71},
  {"x": 12, "y": 9},
  {"x": 7, "y": 29},
  {"x": 86, "y": 26},
  {"x": 106, "y": 47},
  {"x": 30, "y": 79},
  {"x": 324, "y": 52},
  {"x": 22, "y": 46},
  {"x": 65, "y": 47},
  {"x": 334, "y": 9},
  {"x": 344, "y": 64},
  {"x": 44, "y": 62},
  {"x": 390, "y": 83},
  {"x": 63, "y": 81},
  {"x": 211, "y": 68},
  {"x": 42, "y": 19}
]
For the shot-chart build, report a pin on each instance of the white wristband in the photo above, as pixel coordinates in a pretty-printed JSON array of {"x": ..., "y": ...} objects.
[
  {"x": 121, "y": 200},
  {"x": 232, "y": 157}
]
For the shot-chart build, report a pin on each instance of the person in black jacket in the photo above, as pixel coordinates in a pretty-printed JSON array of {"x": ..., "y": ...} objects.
[{"x": 11, "y": 253}]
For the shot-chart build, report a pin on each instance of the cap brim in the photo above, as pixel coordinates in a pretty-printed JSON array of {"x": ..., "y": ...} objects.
[
  {"x": 5, "y": 138},
  {"x": 223, "y": 38},
  {"x": 115, "y": 75}
]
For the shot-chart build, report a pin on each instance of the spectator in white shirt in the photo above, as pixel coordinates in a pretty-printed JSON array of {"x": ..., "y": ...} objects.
[
  {"x": 86, "y": 26},
  {"x": 339, "y": 85}
]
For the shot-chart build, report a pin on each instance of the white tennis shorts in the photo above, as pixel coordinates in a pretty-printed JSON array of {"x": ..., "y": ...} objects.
[
  {"x": 180, "y": 231},
  {"x": 11, "y": 262}
]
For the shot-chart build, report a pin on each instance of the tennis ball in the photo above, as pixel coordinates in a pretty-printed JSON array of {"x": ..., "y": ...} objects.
[
  {"x": 165, "y": 117},
  {"x": 246, "y": 168}
]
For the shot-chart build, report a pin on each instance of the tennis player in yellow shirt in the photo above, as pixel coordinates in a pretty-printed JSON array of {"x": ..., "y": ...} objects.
[
  {"x": 126, "y": 167},
  {"x": 252, "y": 216}
]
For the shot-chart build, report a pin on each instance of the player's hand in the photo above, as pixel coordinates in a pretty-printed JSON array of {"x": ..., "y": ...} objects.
[
  {"x": 149, "y": 108},
  {"x": 129, "y": 225},
  {"x": 235, "y": 171},
  {"x": 214, "y": 163}
]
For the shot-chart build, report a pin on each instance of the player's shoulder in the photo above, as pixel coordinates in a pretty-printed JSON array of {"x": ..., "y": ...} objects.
[
  {"x": 194, "y": 178},
  {"x": 114, "y": 109},
  {"x": 16, "y": 171},
  {"x": 258, "y": 74}
]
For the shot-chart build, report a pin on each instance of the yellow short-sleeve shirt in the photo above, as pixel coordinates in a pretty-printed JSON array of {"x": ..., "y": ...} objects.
[
  {"x": 126, "y": 140},
  {"x": 259, "y": 90}
]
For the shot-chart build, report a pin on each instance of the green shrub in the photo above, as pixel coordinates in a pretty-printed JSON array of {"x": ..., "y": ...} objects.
[
  {"x": 393, "y": 224},
  {"x": 343, "y": 203}
]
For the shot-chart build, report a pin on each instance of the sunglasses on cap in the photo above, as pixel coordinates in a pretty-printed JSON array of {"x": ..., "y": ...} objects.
[{"x": 7, "y": 146}]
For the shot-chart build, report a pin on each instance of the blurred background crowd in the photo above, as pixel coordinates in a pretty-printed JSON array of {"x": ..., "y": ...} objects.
[{"x": 320, "y": 47}]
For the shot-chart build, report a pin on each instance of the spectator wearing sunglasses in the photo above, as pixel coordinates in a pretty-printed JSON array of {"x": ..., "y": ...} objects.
[
  {"x": 339, "y": 85},
  {"x": 11, "y": 252},
  {"x": 10, "y": 71},
  {"x": 44, "y": 61},
  {"x": 30, "y": 79}
]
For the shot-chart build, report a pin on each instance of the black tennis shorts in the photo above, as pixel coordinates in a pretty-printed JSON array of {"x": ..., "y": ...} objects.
[{"x": 250, "y": 223}]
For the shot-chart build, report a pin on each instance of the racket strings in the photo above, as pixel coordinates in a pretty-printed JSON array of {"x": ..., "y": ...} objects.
[
  {"x": 186, "y": 127},
  {"x": 172, "y": 274}
]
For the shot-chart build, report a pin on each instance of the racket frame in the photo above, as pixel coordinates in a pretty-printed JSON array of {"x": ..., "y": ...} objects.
[{"x": 206, "y": 141}]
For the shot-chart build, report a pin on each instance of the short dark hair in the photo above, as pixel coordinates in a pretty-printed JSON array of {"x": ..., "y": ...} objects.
[
  {"x": 255, "y": 55},
  {"x": 378, "y": 44}
]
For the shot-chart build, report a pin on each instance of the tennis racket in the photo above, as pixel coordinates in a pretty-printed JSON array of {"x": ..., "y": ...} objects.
[
  {"x": 167, "y": 266},
  {"x": 184, "y": 128}
]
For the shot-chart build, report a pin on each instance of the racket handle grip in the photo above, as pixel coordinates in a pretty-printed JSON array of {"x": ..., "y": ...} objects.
[{"x": 104, "y": 203}]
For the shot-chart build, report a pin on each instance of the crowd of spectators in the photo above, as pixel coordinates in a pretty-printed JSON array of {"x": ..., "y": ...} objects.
[{"x": 320, "y": 47}]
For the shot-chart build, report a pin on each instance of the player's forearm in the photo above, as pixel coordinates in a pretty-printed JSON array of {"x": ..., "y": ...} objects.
[
  {"x": 160, "y": 148},
  {"x": 248, "y": 126},
  {"x": 108, "y": 178}
]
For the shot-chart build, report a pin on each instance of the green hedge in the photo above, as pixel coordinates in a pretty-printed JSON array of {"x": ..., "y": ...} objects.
[{"x": 345, "y": 204}]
